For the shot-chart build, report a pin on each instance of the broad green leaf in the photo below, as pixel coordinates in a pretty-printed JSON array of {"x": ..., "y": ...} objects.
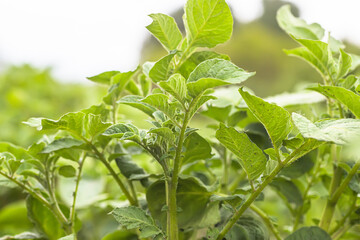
[
  {"x": 289, "y": 190},
  {"x": 161, "y": 102},
  {"x": 318, "y": 54},
  {"x": 100, "y": 109},
  {"x": 127, "y": 166},
  {"x": 275, "y": 119},
  {"x": 220, "y": 114},
  {"x": 18, "y": 152},
  {"x": 121, "y": 130},
  {"x": 248, "y": 228},
  {"x": 345, "y": 63},
  {"x": 350, "y": 99},
  {"x": 162, "y": 69},
  {"x": 296, "y": 26},
  {"x": 198, "y": 102},
  {"x": 104, "y": 78},
  {"x": 196, "y": 148},
  {"x": 165, "y": 29},
  {"x": 133, "y": 88},
  {"x": 196, "y": 58},
  {"x": 355, "y": 61},
  {"x": 213, "y": 73},
  {"x": 118, "y": 84},
  {"x": 207, "y": 22},
  {"x": 298, "y": 168},
  {"x": 306, "y": 233},
  {"x": 250, "y": 156},
  {"x": 78, "y": 123},
  {"x": 135, "y": 101},
  {"x": 62, "y": 143},
  {"x": 135, "y": 218},
  {"x": 349, "y": 81},
  {"x": 339, "y": 131},
  {"x": 67, "y": 171},
  {"x": 165, "y": 133},
  {"x": 176, "y": 86},
  {"x": 191, "y": 197},
  {"x": 43, "y": 219}
]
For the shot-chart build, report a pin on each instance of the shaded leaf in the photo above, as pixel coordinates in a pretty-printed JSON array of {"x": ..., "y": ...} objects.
[
  {"x": 162, "y": 69},
  {"x": 135, "y": 101},
  {"x": 306, "y": 233},
  {"x": 275, "y": 119},
  {"x": 176, "y": 86},
  {"x": 196, "y": 148},
  {"x": 62, "y": 143},
  {"x": 252, "y": 159},
  {"x": 135, "y": 218}
]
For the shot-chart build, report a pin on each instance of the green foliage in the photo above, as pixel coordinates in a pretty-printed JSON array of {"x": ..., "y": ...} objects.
[{"x": 167, "y": 173}]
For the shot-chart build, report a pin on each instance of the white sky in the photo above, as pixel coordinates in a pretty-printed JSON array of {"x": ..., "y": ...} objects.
[{"x": 80, "y": 38}]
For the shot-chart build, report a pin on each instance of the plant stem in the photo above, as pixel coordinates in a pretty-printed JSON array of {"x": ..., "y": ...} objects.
[
  {"x": 225, "y": 172},
  {"x": 172, "y": 211},
  {"x": 114, "y": 175},
  {"x": 313, "y": 175},
  {"x": 266, "y": 220},
  {"x": 292, "y": 157},
  {"x": 341, "y": 232},
  {"x": 349, "y": 212},
  {"x": 55, "y": 204},
  {"x": 77, "y": 181},
  {"x": 37, "y": 196}
]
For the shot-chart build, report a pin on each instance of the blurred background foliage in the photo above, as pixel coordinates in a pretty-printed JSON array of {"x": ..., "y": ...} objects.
[{"x": 26, "y": 91}]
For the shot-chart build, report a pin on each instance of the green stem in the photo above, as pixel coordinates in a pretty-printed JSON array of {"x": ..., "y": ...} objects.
[
  {"x": 345, "y": 217},
  {"x": 313, "y": 175},
  {"x": 55, "y": 203},
  {"x": 225, "y": 172},
  {"x": 173, "y": 234},
  {"x": 73, "y": 208},
  {"x": 37, "y": 196},
  {"x": 341, "y": 232},
  {"x": 266, "y": 220},
  {"x": 114, "y": 175},
  {"x": 292, "y": 157}
]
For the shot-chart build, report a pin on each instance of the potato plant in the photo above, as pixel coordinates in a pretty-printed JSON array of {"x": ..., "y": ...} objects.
[{"x": 209, "y": 181}]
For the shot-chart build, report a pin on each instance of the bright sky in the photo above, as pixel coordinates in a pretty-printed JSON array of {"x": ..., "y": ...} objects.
[{"x": 80, "y": 38}]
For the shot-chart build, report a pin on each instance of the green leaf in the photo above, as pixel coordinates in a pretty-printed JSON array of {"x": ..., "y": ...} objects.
[
  {"x": 118, "y": 84},
  {"x": 145, "y": 84},
  {"x": 296, "y": 26},
  {"x": 161, "y": 102},
  {"x": 62, "y": 143},
  {"x": 275, "y": 119},
  {"x": 196, "y": 148},
  {"x": 213, "y": 73},
  {"x": 191, "y": 197},
  {"x": 298, "y": 168},
  {"x": 104, "y": 78},
  {"x": 220, "y": 114},
  {"x": 350, "y": 99},
  {"x": 207, "y": 22},
  {"x": 44, "y": 219},
  {"x": 345, "y": 63},
  {"x": 135, "y": 218},
  {"x": 176, "y": 86},
  {"x": 135, "y": 101},
  {"x": 162, "y": 69},
  {"x": 165, "y": 29},
  {"x": 68, "y": 237},
  {"x": 82, "y": 125},
  {"x": 165, "y": 133},
  {"x": 248, "y": 228},
  {"x": 339, "y": 131},
  {"x": 252, "y": 159},
  {"x": 318, "y": 54},
  {"x": 306, "y": 233},
  {"x": 289, "y": 190},
  {"x": 67, "y": 171},
  {"x": 18, "y": 152},
  {"x": 196, "y": 58},
  {"x": 121, "y": 129}
]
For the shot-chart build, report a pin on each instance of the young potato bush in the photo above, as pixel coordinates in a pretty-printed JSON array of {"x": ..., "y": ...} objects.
[{"x": 193, "y": 185}]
